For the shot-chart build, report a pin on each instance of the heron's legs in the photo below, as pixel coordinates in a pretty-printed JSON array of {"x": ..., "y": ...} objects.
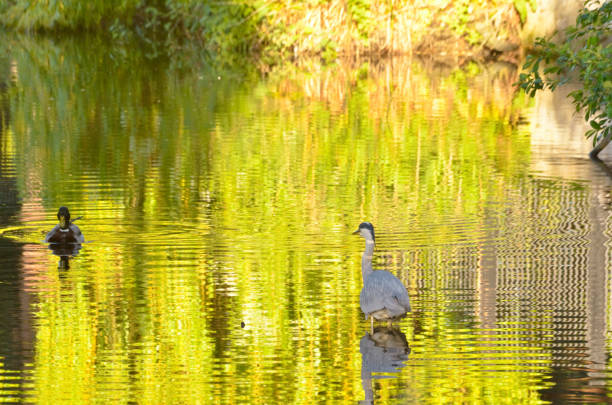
[
  {"x": 371, "y": 324},
  {"x": 389, "y": 324}
]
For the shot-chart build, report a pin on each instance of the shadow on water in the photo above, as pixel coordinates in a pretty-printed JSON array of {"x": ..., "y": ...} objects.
[
  {"x": 383, "y": 351},
  {"x": 603, "y": 166},
  {"x": 589, "y": 383},
  {"x": 9, "y": 202},
  {"x": 16, "y": 327}
]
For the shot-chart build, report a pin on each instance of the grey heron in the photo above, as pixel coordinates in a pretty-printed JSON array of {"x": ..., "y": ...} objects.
[{"x": 383, "y": 296}]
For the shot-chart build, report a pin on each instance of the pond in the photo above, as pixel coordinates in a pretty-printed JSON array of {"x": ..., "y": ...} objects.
[{"x": 218, "y": 204}]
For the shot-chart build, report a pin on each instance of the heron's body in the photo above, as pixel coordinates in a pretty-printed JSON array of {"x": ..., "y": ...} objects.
[
  {"x": 65, "y": 232},
  {"x": 383, "y": 296}
]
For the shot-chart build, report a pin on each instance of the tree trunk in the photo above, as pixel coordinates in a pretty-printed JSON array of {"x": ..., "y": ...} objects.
[{"x": 599, "y": 147}]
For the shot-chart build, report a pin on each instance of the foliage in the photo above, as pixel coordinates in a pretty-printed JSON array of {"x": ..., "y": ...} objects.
[
  {"x": 361, "y": 16},
  {"x": 63, "y": 14},
  {"x": 267, "y": 29},
  {"x": 522, "y": 7},
  {"x": 220, "y": 26},
  {"x": 585, "y": 55},
  {"x": 460, "y": 21}
]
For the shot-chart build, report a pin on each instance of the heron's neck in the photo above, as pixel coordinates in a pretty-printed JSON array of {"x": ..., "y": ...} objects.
[{"x": 366, "y": 259}]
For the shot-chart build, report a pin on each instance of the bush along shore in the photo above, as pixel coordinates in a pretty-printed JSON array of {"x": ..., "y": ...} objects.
[
  {"x": 583, "y": 56},
  {"x": 272, "y": 31}
]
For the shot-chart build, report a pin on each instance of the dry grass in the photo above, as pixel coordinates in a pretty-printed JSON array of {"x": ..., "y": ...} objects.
[{"x": 391, "y": 27}]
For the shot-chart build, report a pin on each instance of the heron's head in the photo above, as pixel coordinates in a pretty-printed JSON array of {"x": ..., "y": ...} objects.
[
  {"x": 366, "y": 231},
  {"x": 63, "y": 215}
]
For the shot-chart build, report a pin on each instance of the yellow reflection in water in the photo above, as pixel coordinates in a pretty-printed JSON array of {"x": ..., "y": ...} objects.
[{"x": 219, "y": 265}]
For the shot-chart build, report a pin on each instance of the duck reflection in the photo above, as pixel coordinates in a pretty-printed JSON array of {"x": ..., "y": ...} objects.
[
  {"x": 383, "y": 351},
  {"x": 65, "y": 251}
]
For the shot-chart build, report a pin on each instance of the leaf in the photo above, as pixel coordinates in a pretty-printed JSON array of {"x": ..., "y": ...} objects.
[{"x": 521, "y": 8}]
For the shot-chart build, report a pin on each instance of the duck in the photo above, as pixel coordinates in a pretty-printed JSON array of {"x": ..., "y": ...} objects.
[{"x": 66, "y": 231}]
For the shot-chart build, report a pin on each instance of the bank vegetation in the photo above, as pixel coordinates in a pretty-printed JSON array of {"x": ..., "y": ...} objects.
[{"x": 274, "y": 31}]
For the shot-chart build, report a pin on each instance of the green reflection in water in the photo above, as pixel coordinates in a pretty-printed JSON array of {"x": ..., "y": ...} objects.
[{"x": 212, "y": 198}]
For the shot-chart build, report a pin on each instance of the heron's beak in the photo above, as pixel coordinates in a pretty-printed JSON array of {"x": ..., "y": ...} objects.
[{"x": 356, "y": 232}]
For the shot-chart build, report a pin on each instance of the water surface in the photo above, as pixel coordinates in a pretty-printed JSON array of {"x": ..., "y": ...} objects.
[{"x": 218, "y": 206}]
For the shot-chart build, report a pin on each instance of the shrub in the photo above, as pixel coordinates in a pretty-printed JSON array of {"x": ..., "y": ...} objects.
[{"x": 585, "y": 55}]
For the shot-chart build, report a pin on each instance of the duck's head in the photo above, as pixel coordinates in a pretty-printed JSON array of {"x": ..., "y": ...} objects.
[
  {"x": 366, "y": 231},
  {"x": 63, "y": 215}
]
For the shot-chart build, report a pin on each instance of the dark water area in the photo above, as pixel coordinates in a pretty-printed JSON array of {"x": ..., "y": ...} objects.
[{"x": 218, "y": 205}]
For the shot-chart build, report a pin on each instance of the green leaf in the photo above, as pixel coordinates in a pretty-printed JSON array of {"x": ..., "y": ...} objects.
[{"x": 521, "y": 8}]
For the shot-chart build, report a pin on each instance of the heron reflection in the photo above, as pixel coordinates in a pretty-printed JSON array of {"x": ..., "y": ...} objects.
[{"x": 382, "y": 351}]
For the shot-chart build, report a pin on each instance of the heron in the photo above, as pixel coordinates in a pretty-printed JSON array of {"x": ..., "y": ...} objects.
[
  {"x": 383, "y": 296},
  {"x": 66, "y": 231}
]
